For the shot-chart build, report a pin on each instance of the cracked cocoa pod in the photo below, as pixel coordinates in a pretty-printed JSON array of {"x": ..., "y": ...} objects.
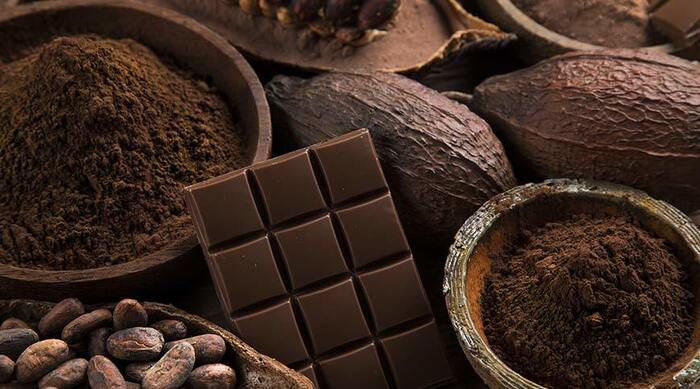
[
  {"x": 172, "y": 370},
  {"x": 40, "y": 358},
  {"x": 441, "y": 161},
  {"x": 14, "y": 341},
  {"x": 7, "y": 368},
  {"x": 208, "y": 348},
  {"x": 171, "y": 329},
  {"x": 135, "y": 344},
  {"x": 59, "y": 316},
  {"x": 614, "y": 115},
  {"x": 374, "y": 13},
  {"x": 84, "y": 324},
  {"x": 12, "y": 323},
  {"x": 98, "y": 341},
  {"x": 104, "y": 374},
  {"x": 129, "y": 313},
  {"x": 67, "y": 375},
  {"x": 214, "y": 376},
  {"x": 137, "y": 370}
]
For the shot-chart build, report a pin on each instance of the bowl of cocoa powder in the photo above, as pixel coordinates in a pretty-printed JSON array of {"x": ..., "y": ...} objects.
[
  {"x": 573, "y": 283},
  {"x": 107, "y": 110}
]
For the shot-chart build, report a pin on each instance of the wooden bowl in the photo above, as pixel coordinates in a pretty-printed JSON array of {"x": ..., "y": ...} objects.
[
  {"x": 191, "y": 44},
  {"x": 501, "y": 219},
  {"x": 253, "y": 369},
  {"x": 537, "y": 42}
]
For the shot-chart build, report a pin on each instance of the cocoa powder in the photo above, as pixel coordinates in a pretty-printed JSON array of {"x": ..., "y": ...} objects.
[
  {"x": 97, "y": 139},
  {"x": 588, "y": 302}
]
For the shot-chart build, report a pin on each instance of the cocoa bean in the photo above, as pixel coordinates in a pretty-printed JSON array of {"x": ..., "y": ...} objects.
[
  {"x": 171, "y": 329},
  {"x": 137, "y": 370},
  {"x": 59, "y": 316},
  {"x": 135, "y": 344},
  {"x": 172, "y": 370},
  {"x": 129, "y": 313},
  {"x": 104, "y": 374},
  {"x": 13, "y": 323},
  {"x": 81, "y": 326},
  {"x": 208, "y": 348},
  {"x": 305, "y": 10},
  {"x": 374, "y": 13},
  {"x": 214, "y": 376},
  {"x": 338, "y": 10},
  {"x": 7, "y": 368},
  {"x": 40, "y": 358},
  {"x": 14, "y": 341},
  {"x": 98, "y": 342},
  {"x": 67, "y": 375}
]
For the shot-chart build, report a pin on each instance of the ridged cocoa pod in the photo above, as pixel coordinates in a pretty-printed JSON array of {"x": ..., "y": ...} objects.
[
  {"x": 7, "y": 368},
  {"x": 14, "y": 341},
  {"x": 98, "y": 342},
  {"x": 375, "y": 13},
  {"x": 305, "y": 10},
  {"x": 615, "y": 115},
  {"x": 13, "y": 323},
  {"x": 67, "y": 375},
  {"x": 40, "y": 358},
  {"x": 137, "y": 370},
  {"x": 172, "y": 370},
  {"x": 135, "y": 344},
  {"x": 208, "y": 348},
  {"x": 84, "y": 324},
  {"x": 59, "y": 316},
  {"x": 214, "y": 376},
  {"x": 171, "y": 329},
  {"x": 104, "y": 374},
  {"x": 129, "y": 313},
  {"x": 441, "y": 161},
  {"x": 340, "y": 10}
]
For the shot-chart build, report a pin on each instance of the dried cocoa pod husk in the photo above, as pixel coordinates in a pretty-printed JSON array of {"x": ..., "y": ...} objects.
[
  {"x": 40, "y": 358},
  {"x": 84, "y": 324},
  {"x": 171, "y": 329},
  {"x": 7, "y": 368},
  {"x": 59, "y": 316},
  {"x": 12, "y": 323},
  {"x": 104, "y": 374},
  {"x": 172, "y": 370},
  {"x": 67, "y": 375},
  {"x": 213, "y": 376},
  {"x": 208, "y": 348},
  {"x": 129, "y": 313},
  {"x": 137, "y": 370},
  {"x": 14, "y": 341},
  {"x": 135, "y": 344},
  {"x": 441, "y": 161},
  {"x": 615, "y": 115},
  {"x": 98, "y": 342}
]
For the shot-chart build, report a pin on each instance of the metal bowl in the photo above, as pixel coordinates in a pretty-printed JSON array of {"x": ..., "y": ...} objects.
[{"x": 502, "y": 218}]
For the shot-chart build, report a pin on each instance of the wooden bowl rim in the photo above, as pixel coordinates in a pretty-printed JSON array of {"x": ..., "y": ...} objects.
[
  {"x": 486, "y": 363},
  {"x": 176, "y": 248}
]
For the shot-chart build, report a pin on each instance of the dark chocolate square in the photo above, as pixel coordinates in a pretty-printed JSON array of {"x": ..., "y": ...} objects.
[
  {"x": 350, "y": 168},
  {"x": 416, "y": 357},
  {"x": 274, "y": 332},
  {"x": 288, "y": 187},
  {"x": 385, "y": 285},
  {"x": 248, "y": 273},
  {"x": 311, "y": 252},
  {"x": 310, "y": 372},
  {"x": 372, "y": 231},
  {"x": 330, "y": 327},
  {"x": 225, "y": 208},
  {"x": 354, "y": 369}
]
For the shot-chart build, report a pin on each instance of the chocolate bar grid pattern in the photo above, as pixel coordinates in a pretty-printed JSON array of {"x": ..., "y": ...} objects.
[{"x": 369, "y": 344}]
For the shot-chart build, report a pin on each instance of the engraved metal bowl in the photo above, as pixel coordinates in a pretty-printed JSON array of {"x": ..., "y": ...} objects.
[{"x": 500, "y": 219}]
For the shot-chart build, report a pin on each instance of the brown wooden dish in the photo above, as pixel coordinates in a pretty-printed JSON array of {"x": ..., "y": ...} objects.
[
  {"x": 168, "y": 33},
  {"x": 253, "y": 369},
  {"x": 500, "y": 219}
]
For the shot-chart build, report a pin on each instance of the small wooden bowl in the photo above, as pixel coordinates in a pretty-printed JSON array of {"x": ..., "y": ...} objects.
[
  {"x": 253, "y": 369},
  {"x": 537, "y": 42},
  {"x": 502, "y": 218},
  {"x": 168, "y": 33}
]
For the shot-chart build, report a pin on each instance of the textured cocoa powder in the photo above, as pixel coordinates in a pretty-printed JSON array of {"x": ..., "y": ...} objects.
[
  {"x": 97, "y": 139},
  {"x": 588, "y": 302}
]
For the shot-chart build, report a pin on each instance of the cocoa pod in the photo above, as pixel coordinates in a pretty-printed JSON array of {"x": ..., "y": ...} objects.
[
  {"x": 339, "y": 10},
  {"x": 98, "y": 341},
  {"x": 129, "y": 313},
  {"x": 208, "y": 348},
  {"x": 137, "y": 370},
  {"x": 40, "y": 358},
  {"x": 440, "y": 160},
  {"x": 67, "y": 375},
  {"x": 14, "y": 341},
  {"x": 214, "y": 376},
  {"x": 84, "y": 324},
  {"x": 171, "y": 329},
  {"x": 13, "y": 323},
  {"x": 59, "y": 316},
  {"x": 104, "y": 374},
  {"x": 375, "y": 13},
  {"x": 305, "y": 10},
  {"x": 629, "y": 117},
  {"x": 7, "y": 368},
  {"x": 172, "y": 370},
  {"x": 135, "y": 344}
]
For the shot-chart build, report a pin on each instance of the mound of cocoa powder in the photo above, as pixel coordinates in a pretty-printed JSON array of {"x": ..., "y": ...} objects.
[
  {"x": 611, "y": 23},
  {"x": 588, "y": 303},
  {"x": 97, "y": 139}
]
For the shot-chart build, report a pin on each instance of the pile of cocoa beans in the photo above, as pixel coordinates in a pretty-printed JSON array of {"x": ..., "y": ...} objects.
[{"x": 106, "y": 349}]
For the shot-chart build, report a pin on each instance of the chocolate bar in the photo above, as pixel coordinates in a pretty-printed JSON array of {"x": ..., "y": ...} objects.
[
  {"x": 312, "y": 267},
  {"x": 678, "y": 20}
]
